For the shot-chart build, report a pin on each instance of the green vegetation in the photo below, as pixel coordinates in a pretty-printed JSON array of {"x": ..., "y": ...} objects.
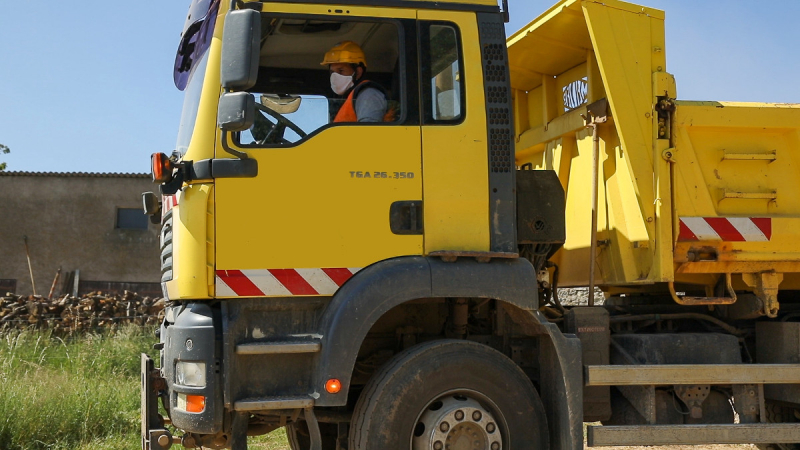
[
  {"x": 4, "y": 150},
  {"x": 72, "y": 392},
  {"x": 77, "y": 392}
]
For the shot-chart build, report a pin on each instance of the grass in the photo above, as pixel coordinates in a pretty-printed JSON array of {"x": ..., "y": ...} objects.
[
  {"x": 82, "y": 392},
  {"x": 77, "y": 392}
]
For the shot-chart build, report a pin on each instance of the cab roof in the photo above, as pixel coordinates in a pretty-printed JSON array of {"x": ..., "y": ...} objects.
[{"x": 423, "y": 4}]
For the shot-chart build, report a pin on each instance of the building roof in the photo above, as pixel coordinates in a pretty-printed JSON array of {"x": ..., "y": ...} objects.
[{"x": 74, "y": 174}]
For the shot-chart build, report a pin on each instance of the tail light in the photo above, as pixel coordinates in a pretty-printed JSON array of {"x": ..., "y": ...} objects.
[{"x": 161, "y": 167}]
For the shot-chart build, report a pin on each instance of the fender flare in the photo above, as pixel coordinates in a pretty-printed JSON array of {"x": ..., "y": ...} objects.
[{"x": 375, "y": 290}]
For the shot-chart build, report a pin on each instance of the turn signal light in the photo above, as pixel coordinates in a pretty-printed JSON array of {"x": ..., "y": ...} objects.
[
  {"x": 191, "y": 403},
  {"x": 161, "y": 167},
  {"x": 333, "y": 386},
  {"x": 195, "y": 403}
]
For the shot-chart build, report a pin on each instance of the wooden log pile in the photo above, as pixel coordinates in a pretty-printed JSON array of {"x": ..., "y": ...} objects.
[{"x": 86, "y": 313}]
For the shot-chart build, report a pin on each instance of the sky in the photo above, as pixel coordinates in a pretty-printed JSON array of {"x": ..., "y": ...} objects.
[{"x": 87, "y": 86}]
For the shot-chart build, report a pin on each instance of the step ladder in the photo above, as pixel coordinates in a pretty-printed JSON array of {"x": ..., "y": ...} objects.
[
  {"x": 638, "y": 376},
  {"x": 281, "y": 347}
]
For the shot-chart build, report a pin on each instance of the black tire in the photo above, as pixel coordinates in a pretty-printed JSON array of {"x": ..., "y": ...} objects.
[
  {"x": 389, "y": 411},
  {"x": 777, "y": 413},
  {"x": 297, "y": 435}
]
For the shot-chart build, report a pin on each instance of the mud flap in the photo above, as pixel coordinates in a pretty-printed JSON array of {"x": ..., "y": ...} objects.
[
  {"x": 154, "y": 435},
  {"x": 561, "y": 376}
]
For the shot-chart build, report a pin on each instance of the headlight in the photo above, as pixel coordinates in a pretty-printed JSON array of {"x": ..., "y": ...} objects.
[{"x": 190, "y": 374}]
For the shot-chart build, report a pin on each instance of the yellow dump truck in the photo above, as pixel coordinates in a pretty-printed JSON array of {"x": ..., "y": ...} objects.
[{"x": 373, "y": 203}]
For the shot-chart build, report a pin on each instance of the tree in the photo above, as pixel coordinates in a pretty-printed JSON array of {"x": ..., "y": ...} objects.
[{"x": 4, "y": 150}]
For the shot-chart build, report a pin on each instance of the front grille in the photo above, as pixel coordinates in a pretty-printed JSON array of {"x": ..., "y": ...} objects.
[{"x": 166, "y": 248}]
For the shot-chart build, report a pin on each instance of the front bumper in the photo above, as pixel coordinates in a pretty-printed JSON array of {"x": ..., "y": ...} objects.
[
  {"x": 192, "y": 337},
  {"x": 188, "y": 334}
]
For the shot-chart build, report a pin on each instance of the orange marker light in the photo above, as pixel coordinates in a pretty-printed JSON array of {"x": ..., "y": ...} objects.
[
  {"x": 333, "y": 386},
  {"x": 160, "y": 167},
  {"x": 195, "y": 403}
]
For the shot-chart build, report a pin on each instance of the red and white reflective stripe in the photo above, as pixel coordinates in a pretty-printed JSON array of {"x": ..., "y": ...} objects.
[
  {"x": 281, "y": 282},
  {"x": 729, "y": 229},
  {"x": 168, "y": 202}
]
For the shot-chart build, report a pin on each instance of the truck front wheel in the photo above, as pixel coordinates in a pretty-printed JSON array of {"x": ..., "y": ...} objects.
[{"x": 449, "y": 394}]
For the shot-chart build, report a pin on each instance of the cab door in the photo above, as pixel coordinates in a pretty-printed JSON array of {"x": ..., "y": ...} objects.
[
  {"x": 337, "y": 200},
  {"x": 454, "y": 138}
]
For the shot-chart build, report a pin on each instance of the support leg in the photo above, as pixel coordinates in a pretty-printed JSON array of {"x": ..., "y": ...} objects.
[{"x": 239, "y": 430}]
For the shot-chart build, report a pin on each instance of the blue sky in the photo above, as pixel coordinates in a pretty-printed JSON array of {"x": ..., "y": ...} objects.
[{"x": 87, "y": 86}]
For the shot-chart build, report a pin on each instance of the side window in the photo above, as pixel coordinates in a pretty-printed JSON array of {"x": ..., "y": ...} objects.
[
  {"x": 316, "y": 73},
  {"x": 442, "y": 73}
]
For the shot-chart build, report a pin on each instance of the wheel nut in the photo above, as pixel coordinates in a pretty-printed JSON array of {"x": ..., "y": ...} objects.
[
  {"x": 444, "y": 427},
  {"x": 459, "y": 415},
  {"x": 476, "y": 416},
  {"x": 495, "y": 446},
  {"x": 490, "y": 427},
  {"x": 437, "y": 445}
]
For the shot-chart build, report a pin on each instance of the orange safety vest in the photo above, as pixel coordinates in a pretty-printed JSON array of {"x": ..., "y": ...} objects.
[{"x": 347, "y": 113}]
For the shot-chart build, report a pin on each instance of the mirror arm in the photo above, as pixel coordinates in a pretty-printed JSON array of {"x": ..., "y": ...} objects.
[
  {"x": 236, "y": 4},
  {"x": 227, "y": 148}
]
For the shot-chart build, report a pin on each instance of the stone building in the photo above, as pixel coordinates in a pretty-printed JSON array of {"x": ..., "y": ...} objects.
[{"x": 90, "y": 225}]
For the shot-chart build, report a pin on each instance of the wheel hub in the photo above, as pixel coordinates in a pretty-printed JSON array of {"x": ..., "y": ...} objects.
[{"x": 456, "y": 422}]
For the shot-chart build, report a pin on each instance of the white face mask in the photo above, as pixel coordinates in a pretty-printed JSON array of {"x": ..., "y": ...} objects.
[{"x": 341, "y": 83}]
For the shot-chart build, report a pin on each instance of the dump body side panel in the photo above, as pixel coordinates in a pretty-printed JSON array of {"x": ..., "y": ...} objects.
[
  {"x": 574, "y": 55},
  {"x": 737, "y": 164},
  {"x": 688, "y": 191}
]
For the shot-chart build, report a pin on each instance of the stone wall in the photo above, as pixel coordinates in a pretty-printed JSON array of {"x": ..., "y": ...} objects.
[{"x": 71, "y": 221}]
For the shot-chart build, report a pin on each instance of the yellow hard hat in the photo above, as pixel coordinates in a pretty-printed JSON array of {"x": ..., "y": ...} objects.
[{"x": 345, "y": 52}]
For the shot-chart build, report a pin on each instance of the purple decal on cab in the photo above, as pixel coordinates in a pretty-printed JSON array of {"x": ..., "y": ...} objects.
[{"x": 195, "y": 40}]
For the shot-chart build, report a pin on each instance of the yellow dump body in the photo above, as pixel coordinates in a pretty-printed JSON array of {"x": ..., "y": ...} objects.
[{"x": 688, "y": 191}]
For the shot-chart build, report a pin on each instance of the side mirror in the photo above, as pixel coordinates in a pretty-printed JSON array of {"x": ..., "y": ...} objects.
[
  {"x": 241, "y": 48},
  {"x": 236, "y": 111}
]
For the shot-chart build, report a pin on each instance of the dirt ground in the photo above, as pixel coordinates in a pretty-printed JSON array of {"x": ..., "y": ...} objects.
[{"x": 689, "y": 447}]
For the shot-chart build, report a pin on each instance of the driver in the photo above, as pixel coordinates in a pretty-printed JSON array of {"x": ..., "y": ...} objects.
[{"x": 366, "y": 101}]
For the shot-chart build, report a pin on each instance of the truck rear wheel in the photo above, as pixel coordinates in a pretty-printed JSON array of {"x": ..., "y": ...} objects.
[
  {"x": 777, "y": 413},
  {"x": 449, "y": 394}
]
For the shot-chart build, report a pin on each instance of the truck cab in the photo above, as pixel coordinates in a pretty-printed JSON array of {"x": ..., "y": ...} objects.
[
  {"x": 353, "y": 193},
  {"x": 301, "y": 254}
]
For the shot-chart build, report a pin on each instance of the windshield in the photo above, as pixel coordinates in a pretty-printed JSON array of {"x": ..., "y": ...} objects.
[{"x": 191, "y": 103}]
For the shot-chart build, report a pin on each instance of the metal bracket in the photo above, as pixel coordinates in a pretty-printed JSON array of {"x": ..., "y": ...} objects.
[
  {"x": 232, "y": 151},
  {"x": 765, "y": 286},
  {"x": 694, "y": 301},
  {"x": 746, "y": 402},
  {"x": 314, "y": 434},
  {"x": 643, "y": 399},
  {"x": 693, "y": 397},
  {"x": 154, "y": 435}
]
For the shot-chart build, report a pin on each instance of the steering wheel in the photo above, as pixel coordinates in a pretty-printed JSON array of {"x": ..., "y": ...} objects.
[{"x": 280, "y": 125}]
